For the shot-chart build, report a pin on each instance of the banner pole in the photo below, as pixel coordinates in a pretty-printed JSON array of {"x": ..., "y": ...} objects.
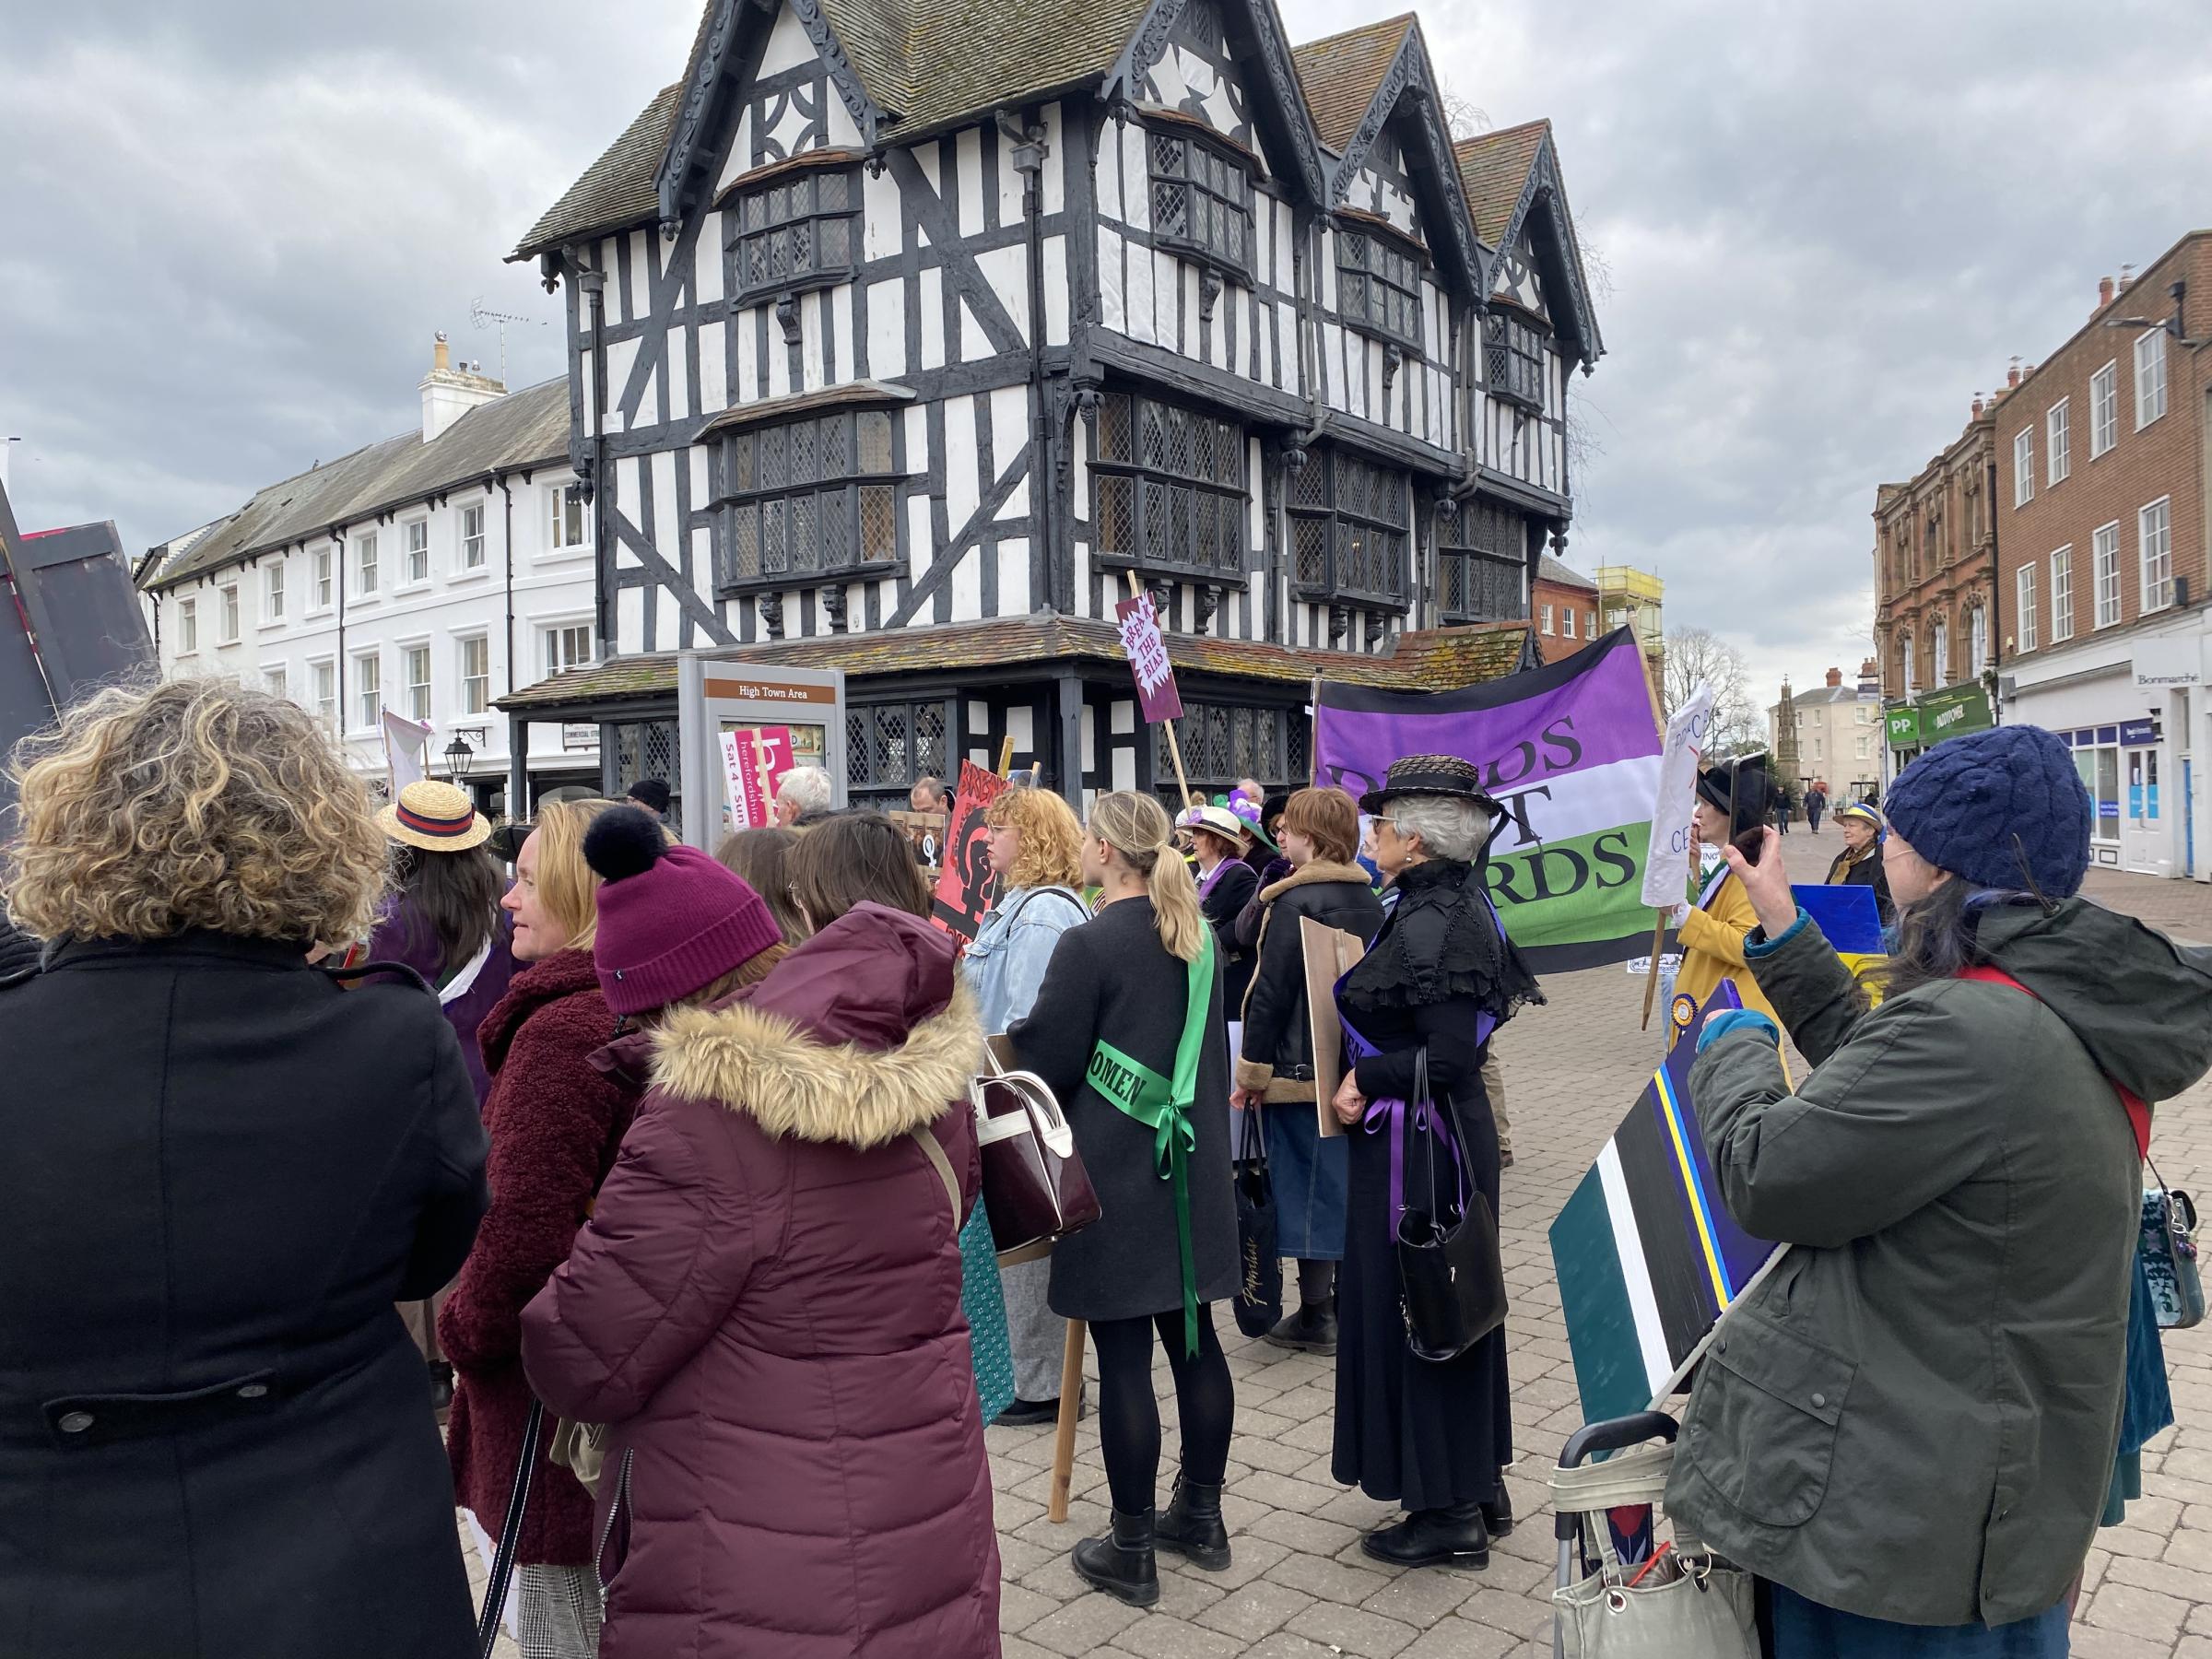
[
  {"x": 1006, "y": 756},
  {"x": 1650, "y": 980},
  {"x": 1071, "y": 1405},
  {"x": 1312, "y": 734}
]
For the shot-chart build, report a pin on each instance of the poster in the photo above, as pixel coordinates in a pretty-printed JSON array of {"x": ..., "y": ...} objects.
[
  {"x": 1670, "y": 857},
  {"x": 754, "y": 760},
  {"x": 965, "y": 887},
  {"x": 1138, "y": 624},
  {"x": 1570, "y": 752},
  {"x": 1330, "y": 954}
]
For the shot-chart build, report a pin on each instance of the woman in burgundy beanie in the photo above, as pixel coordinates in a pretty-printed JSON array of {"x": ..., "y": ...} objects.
[{"x": 765, "y": 1305}]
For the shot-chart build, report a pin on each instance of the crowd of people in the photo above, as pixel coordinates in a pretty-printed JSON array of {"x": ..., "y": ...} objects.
[{"x": 662, "y": 1166}]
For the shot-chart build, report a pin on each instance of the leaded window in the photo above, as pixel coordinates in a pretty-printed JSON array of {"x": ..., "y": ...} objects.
[
  {"x": 1481, "y": 560},
  {"x": 1379, "y": 287},
  {"x": 1201, "y": 199},
  {"x": 889, "y": 746},
  {"x": 1512, "y": 360},
  {"x": 1168, "y": 488},
  {"x": 810, "y": 498},
  {"x": 1349, "y": 520},
  {"x": 802, "y": 231},
  {"x": 1222, "y": 742}
]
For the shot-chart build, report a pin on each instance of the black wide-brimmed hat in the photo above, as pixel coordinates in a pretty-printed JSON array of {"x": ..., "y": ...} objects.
[
  {"x": 1429, "y": 775},
  {"x": 1744, "y": 783}
]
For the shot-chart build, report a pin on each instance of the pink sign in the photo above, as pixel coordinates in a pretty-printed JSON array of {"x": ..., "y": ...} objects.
[
  {"x": 755, "y": 760},
  {"x": 1139, "y": 625}
]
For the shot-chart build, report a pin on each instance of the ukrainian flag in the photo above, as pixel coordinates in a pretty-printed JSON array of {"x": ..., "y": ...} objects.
[{"x": 1853, "y": 922}]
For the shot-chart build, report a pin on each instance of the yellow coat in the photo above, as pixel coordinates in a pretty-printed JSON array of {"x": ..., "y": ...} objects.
[{"x": 1712, "y": 950}]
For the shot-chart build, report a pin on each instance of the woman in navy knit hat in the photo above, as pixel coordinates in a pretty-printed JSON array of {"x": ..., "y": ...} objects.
[{"x": 1909, "y": 1428}]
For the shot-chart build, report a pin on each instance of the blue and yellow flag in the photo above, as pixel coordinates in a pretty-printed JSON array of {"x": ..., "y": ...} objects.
[{"x": 1853, "y": 922}]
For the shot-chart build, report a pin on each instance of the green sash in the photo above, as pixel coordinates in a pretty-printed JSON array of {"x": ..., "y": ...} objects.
[{"x": 1163, "y": 1106}]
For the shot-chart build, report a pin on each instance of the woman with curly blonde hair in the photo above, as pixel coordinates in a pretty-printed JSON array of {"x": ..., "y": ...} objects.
[{"x": 230, "y": 1173}]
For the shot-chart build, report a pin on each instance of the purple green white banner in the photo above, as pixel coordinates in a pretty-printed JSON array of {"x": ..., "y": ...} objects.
[{"x": 1569, "y": 751}]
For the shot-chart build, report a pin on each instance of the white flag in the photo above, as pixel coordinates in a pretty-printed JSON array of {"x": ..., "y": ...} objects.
[
  {"x": 1666, "y": 867},
  {"x": 407, "y": 750}
]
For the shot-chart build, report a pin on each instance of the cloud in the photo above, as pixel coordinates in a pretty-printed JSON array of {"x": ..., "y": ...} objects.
[{"x": 235, "y": 225}]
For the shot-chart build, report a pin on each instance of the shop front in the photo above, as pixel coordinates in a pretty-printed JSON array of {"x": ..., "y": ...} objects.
[{"x": 1911, "y": 729}]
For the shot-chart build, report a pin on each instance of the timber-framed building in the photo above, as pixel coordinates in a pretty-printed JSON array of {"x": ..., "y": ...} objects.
[{"x": 905, "y": 333}]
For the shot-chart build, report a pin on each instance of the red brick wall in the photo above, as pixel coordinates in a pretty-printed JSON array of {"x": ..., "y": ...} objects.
[{"x": 1582, "y": 601}]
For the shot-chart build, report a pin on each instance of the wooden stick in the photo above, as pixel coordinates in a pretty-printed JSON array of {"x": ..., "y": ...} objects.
[
  {"x": 1006, "y": 755},
  {"x": 1071, "y": 1407},
  {"x": 1650, "y": 984}
]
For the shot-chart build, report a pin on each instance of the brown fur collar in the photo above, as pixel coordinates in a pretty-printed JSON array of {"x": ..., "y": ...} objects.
[
  {"x": 789, "y": 1082},
  {"x": 1317, "y": 871}
]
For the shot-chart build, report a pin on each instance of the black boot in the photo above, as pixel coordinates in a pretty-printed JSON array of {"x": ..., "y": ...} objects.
[
  {"x": 1440, "y": 1538},
  {"x": 1498, "y": 1518},
  {"x": 1123, "y": 1565},
  {"x": 1311, "y": 1330},
  {"x": 1193, "y": 1528}
]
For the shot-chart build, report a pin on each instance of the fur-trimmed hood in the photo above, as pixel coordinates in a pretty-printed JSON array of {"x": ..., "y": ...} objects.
[
  {"x": 1307, "y": 874},
  {"x": 859, "y": 1036}
]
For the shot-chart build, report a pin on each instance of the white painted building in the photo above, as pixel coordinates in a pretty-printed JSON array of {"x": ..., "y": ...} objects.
[{"x": 428, "y": 574}]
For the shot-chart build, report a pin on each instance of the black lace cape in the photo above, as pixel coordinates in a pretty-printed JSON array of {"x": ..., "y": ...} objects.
[{"x": 1441, "y": 942}]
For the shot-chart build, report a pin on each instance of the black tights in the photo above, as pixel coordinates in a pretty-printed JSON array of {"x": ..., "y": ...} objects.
[{"x": 1129, "y": 1413}]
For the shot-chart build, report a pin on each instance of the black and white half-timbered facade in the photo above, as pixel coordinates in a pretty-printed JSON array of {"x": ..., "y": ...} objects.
[{"x": 906, "y": 333}]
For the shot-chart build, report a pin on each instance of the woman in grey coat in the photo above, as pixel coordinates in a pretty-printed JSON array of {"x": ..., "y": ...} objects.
[
  {"x": 1909, "y": 1428},
  {"x": 1127, "y": 1030}
]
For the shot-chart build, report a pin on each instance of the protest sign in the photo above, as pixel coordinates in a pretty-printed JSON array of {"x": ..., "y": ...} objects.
[
  {"x": 965, "y": 886},
  {"x": 754, "y": 760},
  {"x": 1571, "y": 753},
  {"x": 1138, "y": 625},
  {"x": 1647, "y": 1255},
  {"x": 1667, "y": 863},
  {"x": 1852, "y": 920},
  {"x": 407, "y": 750}
]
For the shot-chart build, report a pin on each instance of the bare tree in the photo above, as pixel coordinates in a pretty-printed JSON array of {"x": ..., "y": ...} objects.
[
  {"x": 1463, "y": 117},
  {"x": 1698, "y": 656}
]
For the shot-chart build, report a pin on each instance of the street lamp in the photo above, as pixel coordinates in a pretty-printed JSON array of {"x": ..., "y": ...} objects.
[{"x": 458, "y": 754}]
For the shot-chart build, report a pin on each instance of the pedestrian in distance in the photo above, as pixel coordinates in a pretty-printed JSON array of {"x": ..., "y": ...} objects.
[
  {"x": 214, "y": 1435},
  {"x": 1126, "y": 1029},
  {"x": 1859, "y": 863},
  {"x": 1712, "y": 929},
  {"x": 1816, "y": 806},
  {"x": 765, "y": 1303},
  {"x": 1433, "y": 1436},
  {"x": 1958, "y": 1178},
  {"x": 803, "y": 797},
  {"x": 556, "y": 1122},
  {"x": 1219, "y": 839},
  {"x": 1275, "y": 1071},
  {"x": 1037, "y": 848}
]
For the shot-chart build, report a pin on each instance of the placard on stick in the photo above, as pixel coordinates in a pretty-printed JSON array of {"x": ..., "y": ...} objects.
[
  {"x": 964, "y": 889},
  {"x": 1330, "y": 953}
]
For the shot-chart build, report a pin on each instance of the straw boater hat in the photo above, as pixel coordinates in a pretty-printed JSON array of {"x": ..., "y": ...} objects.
[
  {"x": 438, "y": 817},
  {"x": 1217, "y": 820}
]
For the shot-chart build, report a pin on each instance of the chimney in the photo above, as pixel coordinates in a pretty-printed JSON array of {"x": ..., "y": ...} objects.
[
  {"x": 1835, "y": 678},
  {"x": 1870, "y": 678},
  {"x": 449, "y": 393},
  {"x": 2104, "y": 293},
  {"x": 1977, "y": 406},
  {"x": 2012, "y": 375},
  {"x": 2127, "y": 277}
]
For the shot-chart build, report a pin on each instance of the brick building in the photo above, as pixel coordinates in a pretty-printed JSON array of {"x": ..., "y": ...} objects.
[
  {"x": 1565, "y": 609},
  {"x": 2102, "y": 456}
]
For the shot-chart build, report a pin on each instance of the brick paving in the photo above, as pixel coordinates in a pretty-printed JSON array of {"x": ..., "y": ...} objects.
[{"x": 1299, "y": 1587}]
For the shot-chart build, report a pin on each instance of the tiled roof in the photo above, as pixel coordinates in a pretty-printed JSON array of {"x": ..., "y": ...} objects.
[
  {"x": 1562, "y": 575},
  {"x": 1493, "y": 170},
  {"x": 616, "y": 190},
  {"x": 522, "y": 428},
  {"x": 1437, "y": 659},
  {"x": 1340, "y": 75}
]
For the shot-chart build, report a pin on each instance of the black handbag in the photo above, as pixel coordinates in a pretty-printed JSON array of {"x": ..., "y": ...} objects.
[
  {"x": 1451, "y": 1280},
  {"x": 501, "y": 1571},
  {"x": 1259, "y": 1301}
]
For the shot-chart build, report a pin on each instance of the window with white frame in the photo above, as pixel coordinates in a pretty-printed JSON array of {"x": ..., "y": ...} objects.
[
  {"x": 2058, "y": 447},
  {"x": 2024, "y": 602},
  {"x": 569, "y": 646},
  {"x": 1859, "y": 713},
  {"x": 326, "y": 581},
  {"x": 570, "y": 529},
  {"x": 415, "y": 669},
  {"x": 1590, "y": 625},
  {"x": 2023, "y": 466},
  {"x": 273, "y": 681},
  {"x": 364, "y": 564},
  {"x": 367, "y": 690},
  {"x": 1977, "y": 641},
  {"x": 2061, "y": 595},
  {"x": 1547, "y": 614},
  {"x": 2105, "y": 546},
  {"x": 2154, "y": 542},
  {"x": 1863, "y": 748},
  {"x": 1911, "y": 667},
  {"x": 418, "y": 551},
  {"x": 472, "y": 539},
  {"x": 188, "y": 626},
  {"x": 228, "y": 612},
  {"x": 322, "y": 680},
  {"x": 272, "y": 590},
  {"x": 1940, "y": 638},
  {"x": 1567, "y": 620},
  {"x": 475, "y": 673},
  {"x": 2104, "y": 408},
  {"x": 2150, "y": 376}
]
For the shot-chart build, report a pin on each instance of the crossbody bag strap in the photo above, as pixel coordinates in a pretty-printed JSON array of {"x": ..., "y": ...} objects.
[
  {"x": 2137, "y": 1108},
  {"x": 943, "y": 1165}
]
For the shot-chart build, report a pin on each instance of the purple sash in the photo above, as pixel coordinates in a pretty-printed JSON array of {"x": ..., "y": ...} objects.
[
  {"x": 1206, "y": 886},
  {"x": 1393, "y": 1113}
]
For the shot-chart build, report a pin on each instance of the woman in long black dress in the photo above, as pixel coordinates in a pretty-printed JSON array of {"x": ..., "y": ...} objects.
[{"x": 1441, "y": 976}]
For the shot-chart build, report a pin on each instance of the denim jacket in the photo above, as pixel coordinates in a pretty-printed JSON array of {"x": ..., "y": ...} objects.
[{"x": 1013, "y": 948}]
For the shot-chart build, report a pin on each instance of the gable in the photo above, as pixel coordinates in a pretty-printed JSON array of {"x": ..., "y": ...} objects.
[
  {"x": 789, "y": 105},
  {"x": 1514, "y": 277},
  {"x": 1512, "y": 182},
  {"x": 1383, "y": 187},
  {"x": 1194, "y": 73}
]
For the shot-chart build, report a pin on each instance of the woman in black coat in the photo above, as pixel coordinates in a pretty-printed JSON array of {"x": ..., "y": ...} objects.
[
  {"x": 1860, "y": 863},
  {"x": 215, "y": 1438},
  {"x": 1440, "y": 977},
  {"x": 1146, "y": 1088},
  {"x": 1225, "y": 884},
  {"x": 1274, "y": 1073}
]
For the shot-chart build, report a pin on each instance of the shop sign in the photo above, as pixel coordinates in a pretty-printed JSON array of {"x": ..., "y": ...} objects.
[
  {"x": 579, "y": 734},
  {"x": 2136, "y": 733},
  {"x": 1955, "y": 712},
  {"x": 2170, "y": 663},
  {"x": 1903, "y": 722}
]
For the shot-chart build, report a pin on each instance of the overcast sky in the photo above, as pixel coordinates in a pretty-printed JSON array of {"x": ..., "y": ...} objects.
[{"x": 233, "y": 227}]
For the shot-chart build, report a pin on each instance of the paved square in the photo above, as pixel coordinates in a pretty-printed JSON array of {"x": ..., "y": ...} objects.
[{"x": 1299, "y": 1588}]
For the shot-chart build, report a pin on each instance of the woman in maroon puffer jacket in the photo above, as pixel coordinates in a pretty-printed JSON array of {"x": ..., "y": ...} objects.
[
  {"x": 555, "y": 1123},
  {"x": 766, "y": 1304}
]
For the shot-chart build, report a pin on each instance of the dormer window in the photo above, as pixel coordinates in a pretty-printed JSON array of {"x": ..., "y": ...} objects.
[
  {"x": 1512, "y": 360},
  {"x": 799, "y": 231},
  {"x": 1201, "y": 200},
  {"x": 1379, "y": 287}
]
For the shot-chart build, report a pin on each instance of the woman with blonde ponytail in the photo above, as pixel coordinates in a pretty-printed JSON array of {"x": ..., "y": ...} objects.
[{"x": 1127, "y": 1029}]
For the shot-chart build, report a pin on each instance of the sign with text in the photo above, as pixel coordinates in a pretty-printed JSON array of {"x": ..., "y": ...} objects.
[
  {"x": 964, "y": 887},
  {"x": 1667, "y": 861},
  {"x": 754, "y": 760},
  {"x": 1139, "y": 626}
]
